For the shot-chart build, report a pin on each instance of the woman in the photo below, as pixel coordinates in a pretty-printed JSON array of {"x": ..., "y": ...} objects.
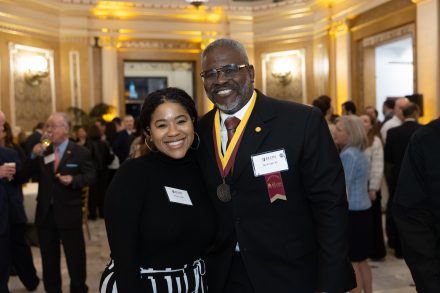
[
  {"x": 158, "y": 216},
  {"x": 374, "y": 153},
  {"x": 351, "y": 137},
  {"x": 81, "y": 136}
]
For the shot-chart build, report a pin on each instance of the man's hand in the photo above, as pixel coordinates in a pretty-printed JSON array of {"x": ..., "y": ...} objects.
[
  {"x": 7, "y": 171},
  {"x": 38, "y": 149},
  {"x": 372, "y": 194},
  {"x": 65, "y": 179}
]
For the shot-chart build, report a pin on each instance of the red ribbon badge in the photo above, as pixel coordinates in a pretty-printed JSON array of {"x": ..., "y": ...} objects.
[{"x": 275, "y": 186}]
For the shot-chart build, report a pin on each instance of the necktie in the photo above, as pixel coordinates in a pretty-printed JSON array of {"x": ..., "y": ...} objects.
[
  {"x": 231, "y": 124},
  {"x": 56, "y": 161}
]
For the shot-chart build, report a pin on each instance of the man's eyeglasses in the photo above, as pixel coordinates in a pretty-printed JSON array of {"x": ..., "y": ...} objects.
[
  {"x": 52, "y": 126},
  {"x": 229, "y": 71}
]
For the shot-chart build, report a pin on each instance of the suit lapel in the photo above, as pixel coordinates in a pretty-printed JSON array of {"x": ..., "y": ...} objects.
[{"x": 255, "y": 133}]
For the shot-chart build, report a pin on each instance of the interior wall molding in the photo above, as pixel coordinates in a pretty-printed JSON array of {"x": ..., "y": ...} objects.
[{"x": 389, "y": 35}]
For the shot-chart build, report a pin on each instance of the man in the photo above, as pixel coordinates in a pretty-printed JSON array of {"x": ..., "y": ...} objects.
[
  {"x": 34, "y": 138},
  {"x": 348, "y": 108},
  {"x": 397, "y": 141},
  {"x": 396, "y": 120},
  {"x": 20, "y": 252},
  {"x": 388, "y": 109},
  {"x": 63, "y": 169},
  {"x": 121, "y": 142},
  {"x": 6, "y": 172},
  {"x": 416, "y": 208},
  {"x": 129, "y": 124},
  {"x": 277, "y": 186}
]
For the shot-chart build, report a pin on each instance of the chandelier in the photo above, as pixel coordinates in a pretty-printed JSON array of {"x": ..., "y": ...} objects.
[{"x": 197, "y": 3}]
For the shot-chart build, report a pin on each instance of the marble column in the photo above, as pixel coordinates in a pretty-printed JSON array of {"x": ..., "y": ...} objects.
[
  {"x": 428, "y": 65},
  {"x": 110, "y": 76}
]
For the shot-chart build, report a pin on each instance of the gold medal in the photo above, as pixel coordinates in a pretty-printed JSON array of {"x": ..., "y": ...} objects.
[{"x": 224, "y": 192}]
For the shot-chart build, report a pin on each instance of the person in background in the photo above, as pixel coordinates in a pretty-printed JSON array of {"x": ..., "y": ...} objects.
[
  {"x": 81, "y": 136},
  {"x": 396, "y": 120},
  {"x": 101, "y": 157},
  {"x": 8, "y": 142},
  {"x": 397, "y": 141},
  {"x": 324, "y": 103},
  {"x": 34, "y": 138},
  {"x": 388, "y": 109},
  {"x": 351, "y": 136},
  {"x": 348, "y": 108},
  {"x": 370, "y": 110},
  {"x": 121, "y": 140},
  {"x": 128, "y": 122},
  {"x": 416, "y": 207},
  {"x": 138, "y": 147},
  {"x": 62, "y": 169},
  {"x": 14, "y": 250},
  {"x": 374, "y": 153},
  {"x": 159, "y": 219},
  {"x": 282, "y": 228}
]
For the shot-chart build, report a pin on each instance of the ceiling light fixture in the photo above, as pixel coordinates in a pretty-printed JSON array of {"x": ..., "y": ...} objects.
[{"x": 197, "y": 3}]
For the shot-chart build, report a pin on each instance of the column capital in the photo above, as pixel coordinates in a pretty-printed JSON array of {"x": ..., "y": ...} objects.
[{"x": 339, "y": 27}]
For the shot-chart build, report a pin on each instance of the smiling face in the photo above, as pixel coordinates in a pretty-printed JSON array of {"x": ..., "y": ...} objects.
[
  {"x": 172, "y": 129},
  {"x": 228, "y": 94}
]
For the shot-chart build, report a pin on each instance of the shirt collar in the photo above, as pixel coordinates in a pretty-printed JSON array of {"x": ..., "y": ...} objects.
[{"x": 62, "y": 146}]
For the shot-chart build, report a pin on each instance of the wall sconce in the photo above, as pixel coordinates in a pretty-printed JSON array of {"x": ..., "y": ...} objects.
[
  {"x": 35, "y": 68},
  {"x": 282, "y": 71}
]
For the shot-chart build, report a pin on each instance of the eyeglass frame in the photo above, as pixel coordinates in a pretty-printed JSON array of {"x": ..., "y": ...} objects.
[{"x": 220, "y": 69}]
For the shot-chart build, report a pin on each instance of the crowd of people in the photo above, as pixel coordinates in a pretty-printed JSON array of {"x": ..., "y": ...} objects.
[{"x": 259, "y": 195}]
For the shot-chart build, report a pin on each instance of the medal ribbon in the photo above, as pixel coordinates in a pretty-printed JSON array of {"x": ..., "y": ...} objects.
[{"x": 226, "y": 162}]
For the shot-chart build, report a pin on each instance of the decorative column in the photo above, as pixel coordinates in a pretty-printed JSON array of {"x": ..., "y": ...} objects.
[
  {"x": 342, "y": 79},
  {"x": 428, "y": 75},
  {"x": 110, "y": 76}
]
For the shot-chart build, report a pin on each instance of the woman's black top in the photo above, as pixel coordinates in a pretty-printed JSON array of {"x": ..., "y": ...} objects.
[{"x": 145, "y": 228}]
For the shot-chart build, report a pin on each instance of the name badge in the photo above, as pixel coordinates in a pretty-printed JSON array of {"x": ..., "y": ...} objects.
[
  {"x": 270, "y": 162},
  {"x": 178, "y": 196},
  {"x": 49, "y": 158}
]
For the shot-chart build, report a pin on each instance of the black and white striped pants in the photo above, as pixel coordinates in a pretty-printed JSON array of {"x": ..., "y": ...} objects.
[{"x": 188, "y": 279}]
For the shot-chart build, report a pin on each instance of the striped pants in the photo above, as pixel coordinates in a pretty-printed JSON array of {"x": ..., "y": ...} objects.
[{"x": 188, "y": 279}]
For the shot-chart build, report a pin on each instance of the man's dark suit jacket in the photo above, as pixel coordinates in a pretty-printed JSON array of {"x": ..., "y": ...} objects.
[
  {"x": 77, "y": 162},
  {"x": 31, "y": 141},
  {"x": 297, "y": 245},
  {"x": 397, "y": 141},
  {"x": 17, "y": 214},
  {"x": 416, "y": 207}
]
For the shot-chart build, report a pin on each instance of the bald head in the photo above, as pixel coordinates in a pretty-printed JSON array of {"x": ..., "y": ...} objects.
[{"x": 398, "y": 107}]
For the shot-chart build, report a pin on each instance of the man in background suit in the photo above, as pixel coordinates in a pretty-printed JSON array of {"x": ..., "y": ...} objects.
[
  {"x": 281, "y": 204},
  {"x": 34, "y": 138},
  {"x": 6, "y": 172},
  {"x": 416, "y": 208},
  {"x": 20, "y": 252},
  {"x": 397, "y": 141},
  {"x": 63, "y": 169}
]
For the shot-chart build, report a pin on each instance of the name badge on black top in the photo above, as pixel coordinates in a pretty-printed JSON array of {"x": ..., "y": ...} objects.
[{"x": 178, "y": 196}]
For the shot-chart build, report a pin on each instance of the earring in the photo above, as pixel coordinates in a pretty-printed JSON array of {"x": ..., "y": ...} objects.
[
  {"x": 198, "y": 142},
  {"x": 146, "y": 143}
]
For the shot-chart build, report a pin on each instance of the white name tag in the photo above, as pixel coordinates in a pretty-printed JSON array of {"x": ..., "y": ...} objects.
[
  {"x": 49, "y": 158},
  {"x": 178, "y": 195},
  {"x": 270, "y": 162}
]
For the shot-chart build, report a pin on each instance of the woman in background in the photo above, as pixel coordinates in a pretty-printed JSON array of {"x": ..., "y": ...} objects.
[
  {"x": 351, "y": 137},
  {"x": 158, "y": 217},
  {"x": 374, "y": 153}
]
